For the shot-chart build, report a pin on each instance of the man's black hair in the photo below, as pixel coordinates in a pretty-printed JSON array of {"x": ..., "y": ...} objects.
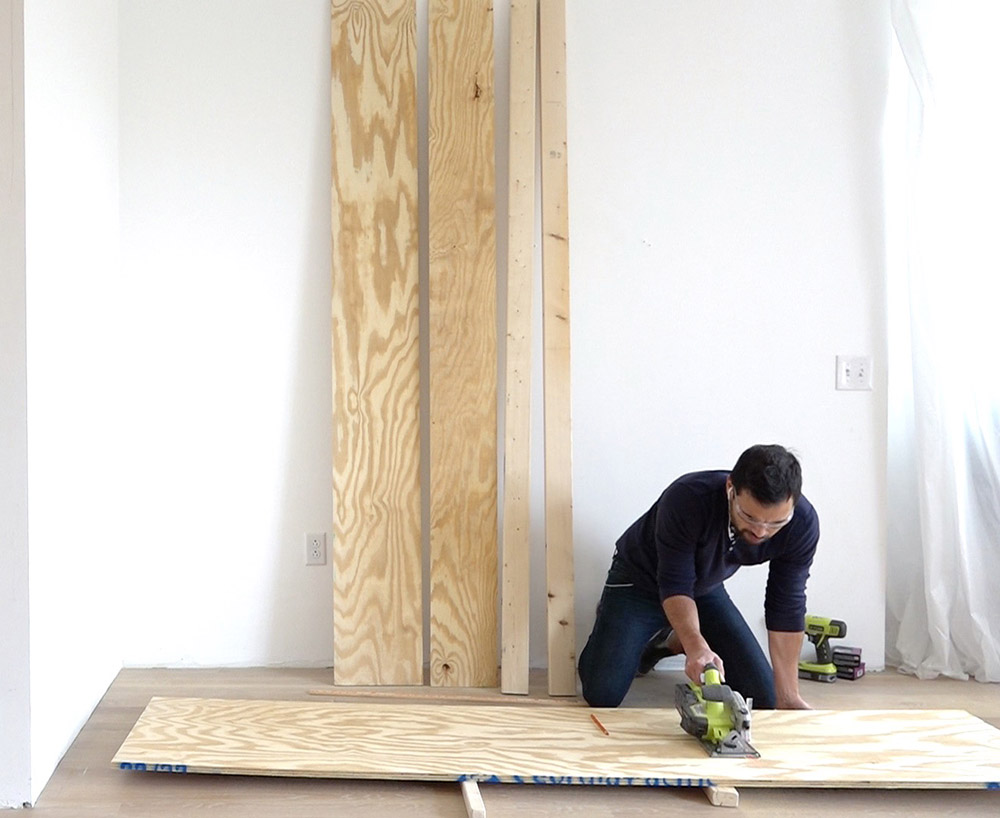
[{"x": 770, "y": 473}]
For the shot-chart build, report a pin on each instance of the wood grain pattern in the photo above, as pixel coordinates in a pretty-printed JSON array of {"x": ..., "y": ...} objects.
[
  {"x": 462, "y": 345},
  {"x": 378, "y": 633},
  {"x": 942, "y": 749},
  {"x": 556, "y": 329},
  {"x": 516, "y": 543}
]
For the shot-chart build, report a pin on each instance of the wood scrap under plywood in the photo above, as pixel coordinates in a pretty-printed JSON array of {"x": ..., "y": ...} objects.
[
  {"x": 474, "y": 806},
  {"x": 886, "y": 749}
]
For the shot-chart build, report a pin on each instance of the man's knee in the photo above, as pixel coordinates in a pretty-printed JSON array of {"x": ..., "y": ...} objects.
[
  {"x": 598, "y": 694},
  {"x": 600, "y": 688}
]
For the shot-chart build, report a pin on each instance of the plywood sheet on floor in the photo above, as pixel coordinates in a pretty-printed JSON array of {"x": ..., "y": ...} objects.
[{"x": 559, "y": 745}]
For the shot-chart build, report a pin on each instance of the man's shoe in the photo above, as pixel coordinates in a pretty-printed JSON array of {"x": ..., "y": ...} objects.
[{"x": 656, "y": 649}]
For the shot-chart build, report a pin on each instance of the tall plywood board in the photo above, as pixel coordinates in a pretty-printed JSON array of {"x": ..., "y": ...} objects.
[
  {"x": 462, "y": 345},
  {"x": 890, "y": 749},
  {"x": 376, "y": 373}
]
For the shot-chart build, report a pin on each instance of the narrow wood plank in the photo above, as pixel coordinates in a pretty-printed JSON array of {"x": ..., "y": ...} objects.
[
  {"x": 474, "y": 806},
  {"x": 378, "y": 632},
  {"x": 462, "y": 345},
  {"x": 892, "y": 749},
  {"x": 481, "y": 695},
  {"x": 516, "y": 546},
  {"x": 556, "y": 329}
]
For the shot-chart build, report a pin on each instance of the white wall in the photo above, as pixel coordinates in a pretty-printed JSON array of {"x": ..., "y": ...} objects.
[
  {"x": 225, "y": 302},
  {"x": 726, "y": 245},
  {"x": 15, "y": 737},
  {"x": 725, "y": 206},
  {"x": 74, "y": 383}
]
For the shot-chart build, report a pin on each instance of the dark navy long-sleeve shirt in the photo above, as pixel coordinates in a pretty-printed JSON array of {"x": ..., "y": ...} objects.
[{"x": 681, "y": 546}]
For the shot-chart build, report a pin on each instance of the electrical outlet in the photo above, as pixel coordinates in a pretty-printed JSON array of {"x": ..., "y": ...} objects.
[
  {"x": 315, "y": 549},
  {"x": 854, "y": 372}
]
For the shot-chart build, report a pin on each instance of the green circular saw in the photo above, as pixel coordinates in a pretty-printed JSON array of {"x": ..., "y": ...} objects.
[{"x": 716, "y": 715}]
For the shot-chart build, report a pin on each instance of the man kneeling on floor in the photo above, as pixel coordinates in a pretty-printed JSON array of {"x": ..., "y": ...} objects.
[{"x": 664, "y": 593}]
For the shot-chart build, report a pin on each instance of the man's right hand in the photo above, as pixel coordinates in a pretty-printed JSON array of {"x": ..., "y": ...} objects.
[{"x": 694, "y": 665}]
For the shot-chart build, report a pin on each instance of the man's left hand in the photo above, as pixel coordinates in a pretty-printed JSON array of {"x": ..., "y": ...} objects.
[{"x": 792, "y": 702}]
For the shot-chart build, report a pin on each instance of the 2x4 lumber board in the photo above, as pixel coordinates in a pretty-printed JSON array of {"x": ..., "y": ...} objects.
[
  {"x": 448, "y": 695},
  {"x": 377, "y": 559},
  {"x": 890, "y": 749},
  {"x": 474, "y": 806},
  {"x": 556, "y": 351},
  {"x": 516, "y": 543},
  {"x": 462, "y": 345}
]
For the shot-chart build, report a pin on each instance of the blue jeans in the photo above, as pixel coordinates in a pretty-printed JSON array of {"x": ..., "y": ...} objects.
[{"x": 627, "y": 618}]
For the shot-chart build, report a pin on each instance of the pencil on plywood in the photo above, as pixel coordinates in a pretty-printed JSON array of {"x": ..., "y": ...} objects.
[{"x": 375, "y": 316}]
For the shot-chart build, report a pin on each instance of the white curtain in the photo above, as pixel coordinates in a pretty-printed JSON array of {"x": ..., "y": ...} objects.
[{"x": 943, "y": 189}]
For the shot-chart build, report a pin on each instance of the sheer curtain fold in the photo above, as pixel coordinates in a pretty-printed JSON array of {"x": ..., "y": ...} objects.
[{"x": 944, "y": 567}]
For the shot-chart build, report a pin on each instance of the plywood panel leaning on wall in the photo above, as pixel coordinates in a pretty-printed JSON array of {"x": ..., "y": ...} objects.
[
  {"x": 378, "y": 631},
  {"x": 462, "y": 345}
]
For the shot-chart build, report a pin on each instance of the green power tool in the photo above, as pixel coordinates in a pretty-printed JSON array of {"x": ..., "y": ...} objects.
[
  {"x": 717, "y": 715},
  {"x": 820, "y": 631}
]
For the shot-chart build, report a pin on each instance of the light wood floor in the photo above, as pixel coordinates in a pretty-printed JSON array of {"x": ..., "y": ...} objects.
[{"x": 85, "y": 785}]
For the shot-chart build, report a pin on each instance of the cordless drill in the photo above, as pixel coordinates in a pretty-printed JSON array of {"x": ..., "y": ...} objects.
[{"x": 820, "y": 631}]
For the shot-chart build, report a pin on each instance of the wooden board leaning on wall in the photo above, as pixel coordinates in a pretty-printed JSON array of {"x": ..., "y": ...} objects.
[
  {"x": 463, "y": 345},
  {"x": 377, "y": 558}
]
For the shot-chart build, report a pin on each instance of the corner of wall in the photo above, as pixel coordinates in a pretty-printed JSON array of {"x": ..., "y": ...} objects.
[{"x": 15, "y": 692}]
